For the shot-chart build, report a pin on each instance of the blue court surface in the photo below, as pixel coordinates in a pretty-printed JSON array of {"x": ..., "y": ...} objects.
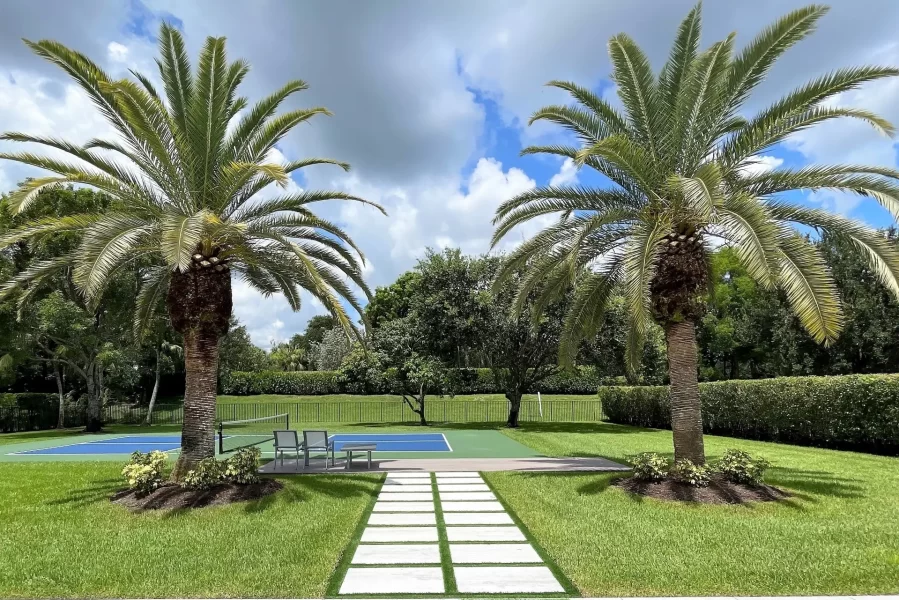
[
  {"x": 384, "y": 442},
  {"x": 120, "y": 445}
]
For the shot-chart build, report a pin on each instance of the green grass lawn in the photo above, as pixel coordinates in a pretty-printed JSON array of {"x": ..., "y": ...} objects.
[
  {"x": 839, "y": 534},
  {"x": 61, "y": 537}
]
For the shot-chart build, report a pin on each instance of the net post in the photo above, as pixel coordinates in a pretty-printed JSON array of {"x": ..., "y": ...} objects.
[
  {"x": 221, "y": 438},
  {"x": 287, "y": 422}
]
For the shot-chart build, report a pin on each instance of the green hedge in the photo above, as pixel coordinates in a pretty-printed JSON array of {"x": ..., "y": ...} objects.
[
  {"x": 467, "y": 381},
  {"x": 295, "y": 383},
  {"x": 850, "y": 411}
]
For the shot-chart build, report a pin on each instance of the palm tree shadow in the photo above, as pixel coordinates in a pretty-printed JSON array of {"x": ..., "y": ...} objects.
[
  {"x": 98, "y": 492},
  {"x": 300, "y": 489},
  {"x": 809, "y": 484}
]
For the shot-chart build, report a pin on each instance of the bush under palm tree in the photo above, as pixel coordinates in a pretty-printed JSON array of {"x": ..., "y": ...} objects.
[
  {"x": 185, "y": 172},
  {"x": 680, "y": 159}
]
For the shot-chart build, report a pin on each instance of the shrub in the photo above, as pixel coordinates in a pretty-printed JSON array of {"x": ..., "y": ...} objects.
[
  {"x": 242, "y": 467},
  {"x": 649, "y": 466},
  {"x": 739, "y": 467},
  {"x": 144, "y": 472},
  {"x": 848, "y": 411},
  {"x": 208, "y": 473},
  {"x": 684, "y": 471}
]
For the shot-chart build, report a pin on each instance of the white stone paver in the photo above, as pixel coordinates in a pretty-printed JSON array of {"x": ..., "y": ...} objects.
[
  {"x": 399, "y": 534},
  {"x": 399, "y": 554},
  {"x": 484, "y": 534},
  {"x": 407, "y": 485},
  {"x": 489, "y": 518},
  {"x": 471, "y": 507},
  {"x": 404, "y": 507},
  {"x": 506, "y": 580},
  {"x": 403, "y": 519},
  {"x": 403, "y": 530},
  {"x": 478, "y": 496},
  {"x": 393, "y": 580},
  {"x": 493, "y": 553},
  {"x": 465, "y": 487},
  {"x": 405, "y": 496}
]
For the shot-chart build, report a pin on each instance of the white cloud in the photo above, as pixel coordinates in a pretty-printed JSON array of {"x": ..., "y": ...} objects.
[
  {"x": 566, "y": 176},
  {"x": 760, "y": 165},
  {"x": 117, "y": 52}
]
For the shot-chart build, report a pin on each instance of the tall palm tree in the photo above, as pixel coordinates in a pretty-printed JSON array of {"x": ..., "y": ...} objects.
[
  {"x": 682, "y": 158},
  {"x": 185, "y": 171}
]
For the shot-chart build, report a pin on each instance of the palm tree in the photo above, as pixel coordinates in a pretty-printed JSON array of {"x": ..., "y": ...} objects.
[
  {"x": 185, "y": 172},
  {"x": 682, "y": 160}
]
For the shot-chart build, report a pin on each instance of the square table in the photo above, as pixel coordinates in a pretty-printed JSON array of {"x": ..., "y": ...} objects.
[{"x": 350, "y": 448}]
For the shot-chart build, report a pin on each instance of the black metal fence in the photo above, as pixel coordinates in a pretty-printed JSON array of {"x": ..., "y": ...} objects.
[{"x": 437, "y": 411}]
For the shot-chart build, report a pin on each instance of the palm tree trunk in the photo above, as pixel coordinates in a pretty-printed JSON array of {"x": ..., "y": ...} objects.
[
  {"x": 686, "y": 411},
  {"x": 61, "y": 421},
  {"x": 199, "y": 304},
  {"x": 201, "y": 357},
  {"x": 149, "y": 419}
]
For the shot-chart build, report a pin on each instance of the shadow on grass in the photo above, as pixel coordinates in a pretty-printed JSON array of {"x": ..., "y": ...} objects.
[
  {"x": 98, "y": 491},
  {"x": 808, "y": 484},
  {"x": 299, "y": 489}
]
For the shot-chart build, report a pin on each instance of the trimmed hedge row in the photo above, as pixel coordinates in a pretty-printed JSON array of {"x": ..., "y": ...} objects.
[
  {"x": 467, "y": 381},
  {"x": 849, "y": 411}
]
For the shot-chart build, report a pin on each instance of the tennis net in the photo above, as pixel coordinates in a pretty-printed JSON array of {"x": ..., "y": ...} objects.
[{"x": 250, "y": 432}]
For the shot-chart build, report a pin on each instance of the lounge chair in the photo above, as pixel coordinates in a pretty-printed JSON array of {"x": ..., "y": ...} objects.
[
  {"x": 317, "y": 440},
  {"x": 287, "y": 441}
]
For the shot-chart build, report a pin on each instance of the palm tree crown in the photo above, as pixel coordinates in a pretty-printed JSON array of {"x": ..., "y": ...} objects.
[
  {"x": 679, "y": 160},
  {"x": 186, "y": 172}
]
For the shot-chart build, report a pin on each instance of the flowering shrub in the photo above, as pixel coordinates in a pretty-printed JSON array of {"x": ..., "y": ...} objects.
[
  {"x": 649, "y": 466},
  {"x": 242, "y": 467},
  {"x": 144, "y": 472},
  {"x": 208, "y": 473},
  {"x": 684, "y": 471},
  {"x": 740, "y": 467}
]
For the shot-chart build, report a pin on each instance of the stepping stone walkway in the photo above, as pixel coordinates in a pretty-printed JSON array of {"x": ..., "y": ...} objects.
[{"x": 415, "y": 523}]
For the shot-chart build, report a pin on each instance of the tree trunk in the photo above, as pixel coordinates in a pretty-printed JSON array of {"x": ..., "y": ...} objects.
[
  {"x": 201, "y": 355},
  {"x": 199, "y": 304},
  {"x": 686, "y": 412},
  {"x": 149, "y": 419},
  {"x": 94, "y": 408},
  {"x": 61, "y": 421},
  {"x": 514, "y": 399}
]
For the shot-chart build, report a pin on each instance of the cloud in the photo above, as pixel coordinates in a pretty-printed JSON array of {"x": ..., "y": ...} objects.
[
  {"x": 117, "y": 52},
  {"x": 761, "y": 165},
  {"x": 566, "y": 176}
]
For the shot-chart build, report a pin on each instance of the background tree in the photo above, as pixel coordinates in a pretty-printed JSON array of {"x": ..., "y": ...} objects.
[
  {"x": 239, "y": 353},
  {"x": 679, "y": 160},
  {"x": 328, "y": 354},
  {"x": 522, "y": 345},
  {"x": 187, "y": 200}
]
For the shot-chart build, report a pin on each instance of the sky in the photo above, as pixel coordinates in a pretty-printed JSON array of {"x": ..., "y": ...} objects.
[{"x": 431, "y": 100}]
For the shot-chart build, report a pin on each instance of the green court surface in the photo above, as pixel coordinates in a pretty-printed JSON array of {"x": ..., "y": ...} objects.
[{"x": 118, "y": 445}]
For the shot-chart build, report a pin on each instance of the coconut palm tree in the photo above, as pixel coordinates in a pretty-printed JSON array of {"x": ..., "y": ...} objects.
[
  {"x": 185, "y": 172},
  {"x": 683, "y": 162}
]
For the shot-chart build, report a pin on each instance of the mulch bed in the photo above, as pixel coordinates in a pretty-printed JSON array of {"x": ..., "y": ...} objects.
[
  {"x": 719, "y": 491},
  {"x": 171, "y": 496}
]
